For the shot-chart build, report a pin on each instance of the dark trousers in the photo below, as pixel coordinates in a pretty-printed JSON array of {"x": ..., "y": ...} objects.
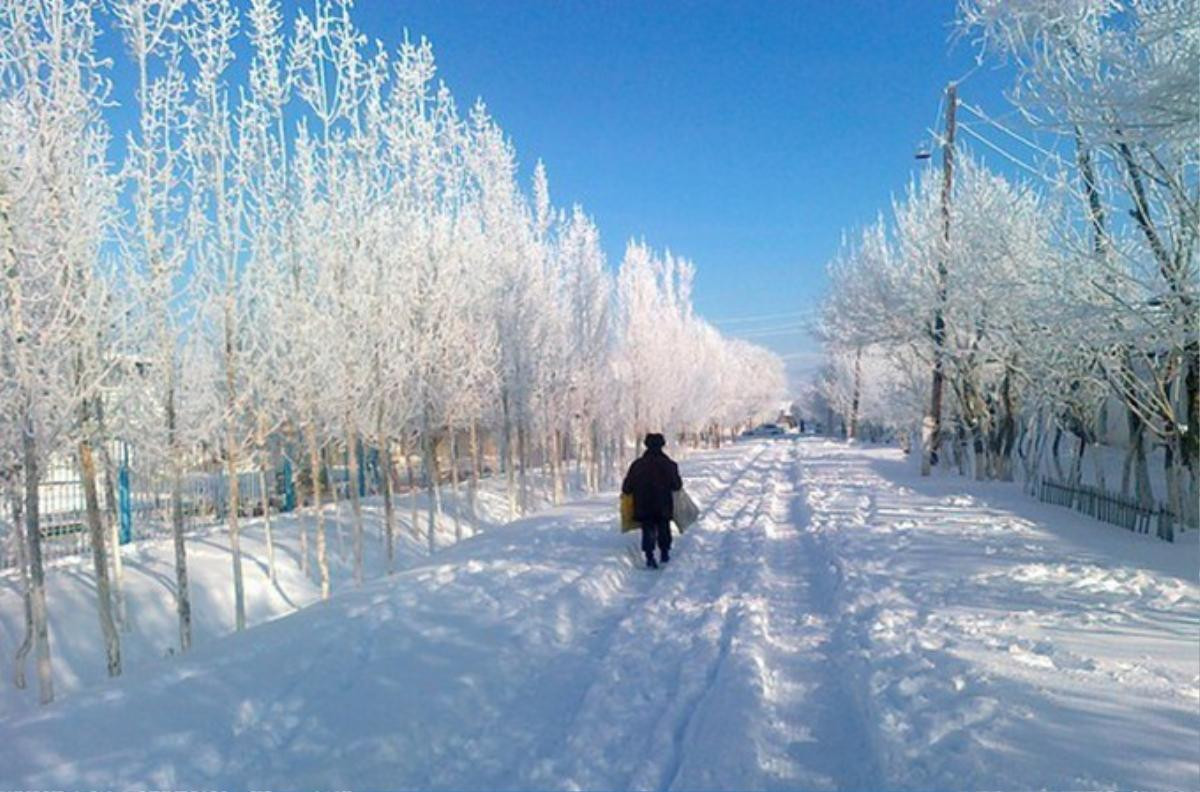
[{"x": 659, "y": 532}]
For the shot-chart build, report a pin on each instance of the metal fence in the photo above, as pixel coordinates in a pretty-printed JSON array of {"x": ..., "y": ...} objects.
[
  {"x": 135, "y": 496},
  {"x": 1111, "y": 508}
]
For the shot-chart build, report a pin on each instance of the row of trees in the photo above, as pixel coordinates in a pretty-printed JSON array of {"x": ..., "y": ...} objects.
[
  {"x": 311, "y": 250},
  {"x": 1068, "y": 302}
]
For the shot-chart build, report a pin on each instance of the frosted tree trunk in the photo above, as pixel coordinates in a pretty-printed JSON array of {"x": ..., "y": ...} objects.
[
  {"x": 597, "y": 459},
  {"x": 427, "y": 467},
  {"x": 523, "y": 457},
  {"x": 1027, "y": 448},
  {"x": 1098, "y": 471},
  {"x": 415, "y": 523},
  {"x": 112, "y": 527},
  {"x": 37, "y": 575},
  {"x": 314, "y": 461},
  {"x": 1172, "y": 470},
  {"x": 1190, "y": 448},
  {"x": 506, "y": 446},
  {"x": 26, "y": 595},
  {"x": 1039, "y": 443},
  {"x": 435, "y": 478},
  {"x": 480, "y": 446},
  {"x": 231, "y": 459},
  {"x": 600, "y": 456},
  {"x": 960, "y": 448},
  {"x": 1137, "y": 479},
  {"x": 1127, "y": 469},
  {"x": 590, "y": 470},
  {"x": 298, "y": 491},
  {"x": 1077, "y": 464},
  {"x": 108, "y": 627},
  {"x": 265, "y": 496},
  {"x": 1191, "y": 499},
  {"x": 235, "y": 545},
  {"x": 1008, "y": 429},
  {"x": 106, "y": 465},
  {"x": 980, "y": 450},
  {"x": 1055, "y": 459},
  {"x": 183, "y": 600},
  {"x": 429, "y": 446},
  {"x": 587, "y": 455},
  {"x": 547, "y": 459},
  {"x": 356, "y": 503},
  {"x": 332, "y": 486},
  {"x": 389, "y": 508},
  {"x": 265, "y": 477},
  {"x": 578, "y": 447},
  {"x": 454, "y": 484},
  {"x": 473, "y": 485},
  {"x": 556, "y": 465},
  {"x": 113, "y": 537}
]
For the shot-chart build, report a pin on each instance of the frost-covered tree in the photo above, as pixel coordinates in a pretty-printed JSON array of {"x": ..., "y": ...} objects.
[
  {"x": 1116, "y": 82},
  {"x": 589, "y": 336},
  {"x": 154, "y": 238},
  {"x": 1002, "y": 292},
  {"x": 56, "y": 198},
  {"x": 666, "y": 355},
  {"x": 217, "y": 151}
]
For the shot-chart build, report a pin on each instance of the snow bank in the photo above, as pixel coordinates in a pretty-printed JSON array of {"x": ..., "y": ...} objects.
[
  {"x": 1003, "y": 643},
  {"x": 149, "y": 569}
]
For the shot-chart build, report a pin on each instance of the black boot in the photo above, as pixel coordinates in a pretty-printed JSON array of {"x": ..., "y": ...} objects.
[
  {"x": 666, "y": 555},
  {"x": 650, "y": 562}
]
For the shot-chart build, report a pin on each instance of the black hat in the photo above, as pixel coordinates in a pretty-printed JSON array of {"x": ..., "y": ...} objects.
[{"x": 655, "y": 441}]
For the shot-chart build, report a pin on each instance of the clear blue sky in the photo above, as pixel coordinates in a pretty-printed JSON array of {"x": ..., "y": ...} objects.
[{"x": 744, "y": 135}]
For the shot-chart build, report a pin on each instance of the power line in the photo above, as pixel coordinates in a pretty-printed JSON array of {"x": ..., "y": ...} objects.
[
  {"x": 770, "y": 331},
  {"x": 1057, "y": 183},
  {"x": 976, "y": 111},
  {"x": 762, "y": 317},
  {"x": 999, "y": 150}
]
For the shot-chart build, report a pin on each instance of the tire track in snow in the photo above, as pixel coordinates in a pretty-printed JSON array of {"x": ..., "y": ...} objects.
[
  {"x": 779, "y": 710},
  {"x": 845, "y": 723},
  {"x": 600, "y": 744},
  {"x": 757, "y": 720},
  {"x": 536, "y": 766},
  {"x": 732, "y": 619},
  {"x": 631, "y": 724}
]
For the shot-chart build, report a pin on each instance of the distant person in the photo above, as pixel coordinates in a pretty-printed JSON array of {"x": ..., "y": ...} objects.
[{"x": 652, "y": 479}]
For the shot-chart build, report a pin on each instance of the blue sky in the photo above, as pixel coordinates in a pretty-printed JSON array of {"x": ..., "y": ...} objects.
[{"x": 746, "y": 136}]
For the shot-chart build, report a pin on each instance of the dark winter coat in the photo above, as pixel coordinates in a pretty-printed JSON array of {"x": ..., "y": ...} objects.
[{"x": 651, "y": 479}]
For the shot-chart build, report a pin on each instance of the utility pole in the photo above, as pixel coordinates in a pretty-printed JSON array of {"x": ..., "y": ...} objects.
[{"x": 933, "y": 421}]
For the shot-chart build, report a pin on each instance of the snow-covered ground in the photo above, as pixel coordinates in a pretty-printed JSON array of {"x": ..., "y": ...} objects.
[
  {"x": 1002, "y": 643},
  {"x": 149, "y": 583},
  {"x": 833, "y": 621}
]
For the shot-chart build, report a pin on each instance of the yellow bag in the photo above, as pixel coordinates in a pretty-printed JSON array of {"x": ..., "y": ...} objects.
[{"x": 627, "y": 523}]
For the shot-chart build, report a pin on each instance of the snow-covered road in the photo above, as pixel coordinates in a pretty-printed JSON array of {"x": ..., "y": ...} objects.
[{"x": 831, "y": 622}]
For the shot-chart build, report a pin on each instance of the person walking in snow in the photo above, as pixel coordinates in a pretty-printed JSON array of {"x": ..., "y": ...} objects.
[{"x": 652, "y": 479}]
